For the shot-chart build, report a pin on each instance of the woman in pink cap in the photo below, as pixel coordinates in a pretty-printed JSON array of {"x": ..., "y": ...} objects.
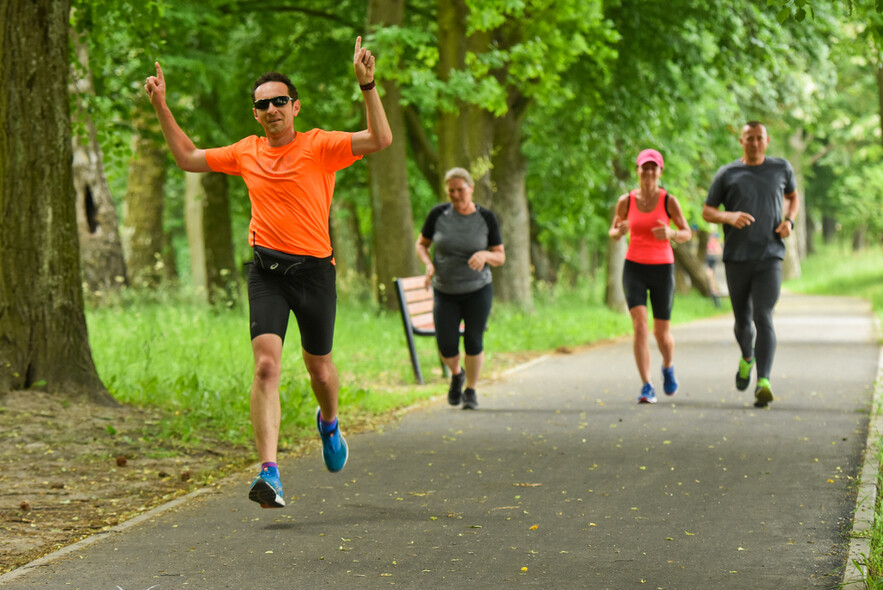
[{"x": 646, "y": 213}]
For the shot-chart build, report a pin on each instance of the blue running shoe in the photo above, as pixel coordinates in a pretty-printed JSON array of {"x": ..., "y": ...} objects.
[
  {"x": 648, "y": 395},
  {"x": 266, "y": 489},
  {"x": 334, "y": 449},
  {"x": 669, "y": 382}
]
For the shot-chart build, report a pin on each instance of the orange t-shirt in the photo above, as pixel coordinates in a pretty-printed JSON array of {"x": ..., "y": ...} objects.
[
  {"x": 643, "y": 247},
  {"x": 290, "y": 187}
]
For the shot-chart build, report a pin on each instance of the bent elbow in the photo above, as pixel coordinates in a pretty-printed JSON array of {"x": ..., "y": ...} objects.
[{"x": 384, "y": 141}]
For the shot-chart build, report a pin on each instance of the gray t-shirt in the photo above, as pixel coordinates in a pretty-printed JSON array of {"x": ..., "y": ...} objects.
[
  {"x": 757, "y": 190},
  {"x": 456, "y": 238}
]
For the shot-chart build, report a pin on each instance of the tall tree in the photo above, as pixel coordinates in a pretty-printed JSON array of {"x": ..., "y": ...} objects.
[
  {"x": 143, "y": 235},
  {"x": 43, "y": 340},
  {"x": 101, "y": 251},
  {"x": 394, "y": 253}
]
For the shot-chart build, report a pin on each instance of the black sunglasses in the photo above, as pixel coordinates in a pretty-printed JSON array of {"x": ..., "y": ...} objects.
[{"x": 278, "y": 101}]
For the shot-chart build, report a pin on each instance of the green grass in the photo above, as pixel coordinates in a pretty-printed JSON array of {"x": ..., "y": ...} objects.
[
  {"x": 195, "y": 363},
  {"x": 837, "y": 270}
]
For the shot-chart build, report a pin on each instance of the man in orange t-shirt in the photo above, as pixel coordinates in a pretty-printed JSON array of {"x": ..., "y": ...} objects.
[{"x": 290, "y": 180}]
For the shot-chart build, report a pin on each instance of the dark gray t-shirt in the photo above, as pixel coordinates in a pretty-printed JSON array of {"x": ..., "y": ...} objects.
[
  {"x": 456, "y": 238},
  {"x": 757, "y": 190}
]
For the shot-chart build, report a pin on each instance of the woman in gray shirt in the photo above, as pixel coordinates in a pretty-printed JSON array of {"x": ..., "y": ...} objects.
[{"x": 467, "y": 243}]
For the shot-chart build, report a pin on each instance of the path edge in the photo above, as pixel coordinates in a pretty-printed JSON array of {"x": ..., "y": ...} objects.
[{"x": 855, "y": 572}]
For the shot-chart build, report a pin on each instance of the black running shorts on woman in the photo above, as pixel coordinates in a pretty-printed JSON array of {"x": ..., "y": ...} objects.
[
  {"x": 311, "y": 294},
  {"x": 658, "y": 279},
  {"x": 473, "y": 309}
]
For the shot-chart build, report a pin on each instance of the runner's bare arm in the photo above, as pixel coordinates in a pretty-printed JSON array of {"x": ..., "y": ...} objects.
[
  {"x": 187, "y": 156},
  {"x": 378, "y": 134}
]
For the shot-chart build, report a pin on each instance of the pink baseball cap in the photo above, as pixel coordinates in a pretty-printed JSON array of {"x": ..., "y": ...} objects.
[{"x": 650, "y": 156}]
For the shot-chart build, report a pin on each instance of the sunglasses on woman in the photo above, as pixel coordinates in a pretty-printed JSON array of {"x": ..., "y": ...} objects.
[{"x": 263, "y": 104}]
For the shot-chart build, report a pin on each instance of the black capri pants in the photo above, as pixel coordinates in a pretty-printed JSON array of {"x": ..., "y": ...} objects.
[
  {"x": 473, "y": 309},
  {"x": 311, "y": 294},
  {"x": 658, "y": 279}
]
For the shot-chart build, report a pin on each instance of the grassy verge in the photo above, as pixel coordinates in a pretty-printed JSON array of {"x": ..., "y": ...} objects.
[
  {"x": 837, "y": 270},
  {"x": 195, "y": 363}
]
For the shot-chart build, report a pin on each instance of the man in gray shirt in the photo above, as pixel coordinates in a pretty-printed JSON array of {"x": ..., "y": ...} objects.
[{"x": 759, "y": 198}]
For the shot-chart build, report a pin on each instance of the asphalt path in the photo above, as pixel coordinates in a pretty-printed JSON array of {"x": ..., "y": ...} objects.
[{"x": 559, "y": 480}]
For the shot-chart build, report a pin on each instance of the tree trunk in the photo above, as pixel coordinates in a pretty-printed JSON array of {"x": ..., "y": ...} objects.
[
  {"x": 795, "y": 244},
  {"x": 694, "y": 267},
  {"x": 222, "y": 278},
  {"x": 101, "y": 250},
  {"x": 194, "y": 206},
  {"x": 512, "y": 280},
  {"x": 209, "y": 236},
  {"x": 829, "y": 229},
  {"x": 859, "y": 238},
  {"x": 394, "y": 251},
  {"x": 43, "y": 340},
  {"x": 346, "y": 238},
  {"x": 615, "y": 296},
  {"x": 143, "y": 237},
  {"x": 542, "y": 267},
  {"x": 879, "y": 75},
  {"x": 452, "y": 127}
]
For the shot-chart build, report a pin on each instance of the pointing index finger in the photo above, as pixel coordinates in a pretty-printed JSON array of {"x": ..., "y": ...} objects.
[
  {"x": 358, "y": 45},
  {"x": 159, "y": 72}
]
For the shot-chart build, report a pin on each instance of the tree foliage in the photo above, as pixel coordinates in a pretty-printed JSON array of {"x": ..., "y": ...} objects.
[{"x": 603, "y": 80}]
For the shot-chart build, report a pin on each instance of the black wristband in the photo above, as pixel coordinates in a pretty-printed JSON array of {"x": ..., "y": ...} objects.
[
  {"x": 791, "y": 221},
  {"x": 367, "y": 86}
]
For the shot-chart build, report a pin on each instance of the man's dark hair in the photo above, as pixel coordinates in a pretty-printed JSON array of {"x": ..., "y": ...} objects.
[
  {"x": 275, "y": 77},
  {"x": 754, "y": 124}
]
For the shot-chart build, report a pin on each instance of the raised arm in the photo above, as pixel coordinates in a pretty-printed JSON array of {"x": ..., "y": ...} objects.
[
  {"x": 378, "y": 134},
  {"x": 187, "y": 156}
]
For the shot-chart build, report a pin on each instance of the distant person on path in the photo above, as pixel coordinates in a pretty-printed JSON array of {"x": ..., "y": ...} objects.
[
  {"x": 290, "y": 179},
  {"x": 759, "y": 198},
  {"x": 646, "y": 213},
  {"x": 467, "y": 243},
  {"x": 713, "y": 252}
]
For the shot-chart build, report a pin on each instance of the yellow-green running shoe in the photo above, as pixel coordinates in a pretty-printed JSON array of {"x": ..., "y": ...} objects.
[
  {"x": 763, "y": 394},
  {"x": 743, "y": 375}
]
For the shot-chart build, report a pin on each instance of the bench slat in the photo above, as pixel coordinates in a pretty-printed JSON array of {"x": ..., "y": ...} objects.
[
  {"x": 409, "y": 283},
  {"x": 420, "y": 307},
  {"x": 418, "y": 294},
  {"x": 423, "y": 321}
]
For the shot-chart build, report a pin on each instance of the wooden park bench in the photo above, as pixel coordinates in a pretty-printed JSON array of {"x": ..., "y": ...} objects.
[{"x": 415, "y": 303}]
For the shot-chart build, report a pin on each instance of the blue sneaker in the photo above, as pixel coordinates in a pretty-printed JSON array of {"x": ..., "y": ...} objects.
[
  {"x": 266, "y": 489},
  {"x": 648, "y": 395},
  {"x": 334, "y": 449},
  {"x": 669, "y": 382}
]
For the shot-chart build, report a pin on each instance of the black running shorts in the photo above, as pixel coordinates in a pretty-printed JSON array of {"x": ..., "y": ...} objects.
[
  {"x": 311, "y": 294},
  {"x": 658, "y": 279}
]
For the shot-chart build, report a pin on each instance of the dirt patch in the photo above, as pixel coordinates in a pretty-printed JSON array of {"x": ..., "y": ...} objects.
[{"x": 69, "y": 470}]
